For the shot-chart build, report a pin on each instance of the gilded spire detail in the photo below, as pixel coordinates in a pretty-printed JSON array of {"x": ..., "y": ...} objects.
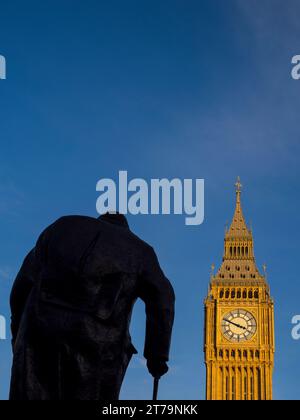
[{"x": 238, "y": 227}]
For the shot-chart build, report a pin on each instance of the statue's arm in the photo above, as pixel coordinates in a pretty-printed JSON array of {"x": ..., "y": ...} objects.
[
  {"x": 21, "y": 290},
  {"x": 157, "y": 293},
  {"x": 26, "y": 279}
]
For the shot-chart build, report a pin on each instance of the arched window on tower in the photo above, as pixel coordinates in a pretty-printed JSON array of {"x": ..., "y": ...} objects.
[
  {"x": 245, "y": 393},
  {"x": 233, "y": 385},
  {"x": 246, "y": 251},
  {"x": 251, "y": 385},
  {"x": 259, "y": 396},
  {"x": 227, "y": 385}
]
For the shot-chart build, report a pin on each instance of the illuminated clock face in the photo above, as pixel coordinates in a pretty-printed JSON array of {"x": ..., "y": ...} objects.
[{"x": 238, "y": 325}]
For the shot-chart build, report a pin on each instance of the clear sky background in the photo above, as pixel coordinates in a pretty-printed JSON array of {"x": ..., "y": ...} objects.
[{"x": 160, "y": 88}]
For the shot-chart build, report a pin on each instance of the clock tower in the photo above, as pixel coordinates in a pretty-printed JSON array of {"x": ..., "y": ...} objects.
[{"x": 239, "y": 321}]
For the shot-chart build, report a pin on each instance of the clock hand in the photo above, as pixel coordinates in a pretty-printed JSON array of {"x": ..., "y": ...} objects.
[{"x": 236, "y": 325}]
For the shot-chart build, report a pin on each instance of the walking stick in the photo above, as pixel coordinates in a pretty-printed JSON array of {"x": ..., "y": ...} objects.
[{"x": 155, "y": 388}]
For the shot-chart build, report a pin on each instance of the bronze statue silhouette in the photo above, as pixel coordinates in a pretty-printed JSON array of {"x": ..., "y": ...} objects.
[{"x": 71, "y": 307}]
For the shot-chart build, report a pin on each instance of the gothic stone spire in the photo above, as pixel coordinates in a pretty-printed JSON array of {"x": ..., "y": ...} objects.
[{"x": 238, "y": 259}]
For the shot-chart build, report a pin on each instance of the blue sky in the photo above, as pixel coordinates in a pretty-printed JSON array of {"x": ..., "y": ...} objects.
[{"x": 172, "y": 88}]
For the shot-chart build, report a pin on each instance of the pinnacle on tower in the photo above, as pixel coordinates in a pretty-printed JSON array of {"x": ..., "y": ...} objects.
[{"x": 238, "y": 227}]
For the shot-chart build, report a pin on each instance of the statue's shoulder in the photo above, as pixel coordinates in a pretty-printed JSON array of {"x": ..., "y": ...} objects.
[
  {"x": 72, "y": 223},
  {"x": 75, "y": 219},
  {"x": 143, "y": 246}
]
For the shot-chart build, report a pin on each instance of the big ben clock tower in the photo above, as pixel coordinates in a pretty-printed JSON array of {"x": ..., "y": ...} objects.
[{"x": 239, "y": 321}]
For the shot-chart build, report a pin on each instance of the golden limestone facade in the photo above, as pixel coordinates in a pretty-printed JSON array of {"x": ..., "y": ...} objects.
[{"x": 239, "y": 321}]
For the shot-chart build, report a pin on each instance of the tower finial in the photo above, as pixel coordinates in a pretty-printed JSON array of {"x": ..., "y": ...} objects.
[
  {"x": 238, "y": 185},
  {"x": 265, "y": 269},
  {"x": 213, "y": 269},
  {"x": 238, "y": 227}
]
